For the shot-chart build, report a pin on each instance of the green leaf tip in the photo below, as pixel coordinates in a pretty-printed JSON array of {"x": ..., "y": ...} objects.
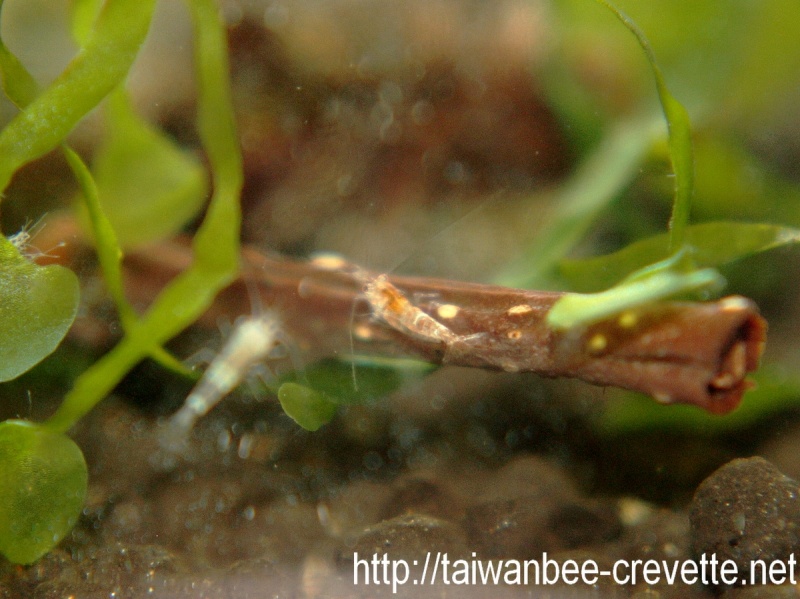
[
  {"x": 375, "y": 377},
  {"x": 307, "y": 407},
  {"x": 680, "y": 136},
  {"x": 651, "y": 284},
  {"x": 43, "y": 482}
]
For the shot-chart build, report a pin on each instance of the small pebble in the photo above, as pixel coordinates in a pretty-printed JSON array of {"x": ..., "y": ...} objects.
[
  {"x": 410, "y": 537},
  {"x": 526, "y": 527},
  {"x": 744, "y": 511}
]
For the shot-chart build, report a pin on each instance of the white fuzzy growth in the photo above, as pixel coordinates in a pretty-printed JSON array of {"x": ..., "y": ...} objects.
[
  {"x": 20, "y": 240},
  {"x": 23, "y": 238}
]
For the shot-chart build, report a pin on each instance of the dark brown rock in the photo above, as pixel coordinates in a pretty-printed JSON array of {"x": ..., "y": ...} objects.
[
  {"x": 763, "y": 592},
  {"x": 746, "y": 510}
]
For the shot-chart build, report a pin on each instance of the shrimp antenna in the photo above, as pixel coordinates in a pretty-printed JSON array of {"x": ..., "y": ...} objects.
[
  {"x": 334, "y": 262},
  {"x": 360, "y": 275},
  {"x": 256, "y": 305},
  {"x": 272, "y": 314},
  {"x": 352, "y": 347}
]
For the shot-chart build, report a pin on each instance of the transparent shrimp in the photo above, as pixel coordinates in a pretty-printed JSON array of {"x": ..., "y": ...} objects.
[
  {"x": 252, "y": 341},
  {"x": 390, "y": 305}
]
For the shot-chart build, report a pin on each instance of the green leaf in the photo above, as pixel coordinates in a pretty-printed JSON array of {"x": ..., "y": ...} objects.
[
  {"x": 675, "y": 275},
  {"x": 329, "y": 383},
  {"x": 680, "y": 137},
  {"x": 84, "y": 15},
  {"x": 713, "y": 245},
  {"x": 110, "y": 254},
  {"x": 18, "y": 84},
  {"x": 148, "y": 186},
  {"x": 38, "y": 306},
  {"x": 92, "y": 74},
  {"x": 578, "y": 309},
  {"x": 43, "y": 481},
  {"x": 216, "y": 244},
  {"x": 308, "y": 408},
  {"x": 374, "y": 377},
  {"x": 108, "y": 249}
]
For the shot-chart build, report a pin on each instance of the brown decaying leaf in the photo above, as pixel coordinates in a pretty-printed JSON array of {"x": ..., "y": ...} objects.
[{"x": 677, "y": 352}]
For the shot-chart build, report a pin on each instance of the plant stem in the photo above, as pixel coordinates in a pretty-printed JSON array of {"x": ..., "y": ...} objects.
[{"x": 682, "y": 352}]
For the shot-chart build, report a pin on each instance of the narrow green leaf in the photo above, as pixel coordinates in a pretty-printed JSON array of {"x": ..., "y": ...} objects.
[
  {"x": 43, "y": 482},
  {"x": 308, "y": 408},
  {"x": 38, "y": 306},
  {"x": 713, "y": 244},
  {"x": 578, "y": 202},
  {"x": 18, "y": 84},
  {"x": 680, "y": 137},
  {"x": 110, "y": 254},
  {"x": 108, "y": 251},
  {"x": 216, "y": 244},
  {"x": 577, "y": 309},
  {"x": 84, "y": 15},
  {"x": 92, "y": 74},
  {"x": 375, "y": 377},
  {"x": 661, "y": 280}
]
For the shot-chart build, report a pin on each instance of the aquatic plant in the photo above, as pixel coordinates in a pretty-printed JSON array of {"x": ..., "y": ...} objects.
[
  {"x": 42, "y": 471},
  {"x": 38, "y": 459}
]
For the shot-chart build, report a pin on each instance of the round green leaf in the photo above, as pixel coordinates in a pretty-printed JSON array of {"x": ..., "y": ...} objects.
[
  {"x": 148, "y": 186},
  {"x": 37, "y": 307},
  {"x": 308, "y": 408},
  {"x": 43, "y": 481}
]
